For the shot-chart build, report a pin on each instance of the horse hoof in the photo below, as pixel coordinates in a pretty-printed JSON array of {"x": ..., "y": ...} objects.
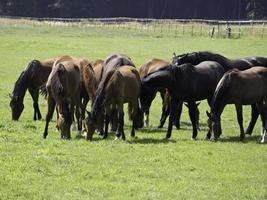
[
  {"x": 194, "y": 139},
  {"x": 116, "y": 138},
  {"x": 160, "y": 126},
  {"x": 212, "y": 139}
]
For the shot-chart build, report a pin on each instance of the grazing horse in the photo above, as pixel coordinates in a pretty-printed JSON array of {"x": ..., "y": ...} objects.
[
  {"x": 151, "y": 66},
  {"x": 63, "y": 88},
  {"x": 228, "y": 64},
  {"x": 121, "y": 85},
  {"x": 98, "y": 69},
  {"x": 112, "y": 62},
  {"x": 31, "y": 78},
  {"x": 240, "y": 88},
  {"x": 185, "y": 83}
]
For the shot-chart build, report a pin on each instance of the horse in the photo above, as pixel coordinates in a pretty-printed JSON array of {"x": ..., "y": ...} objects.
[
  {"x": 151, "y": 66},
  {"x": 98, "y": 69},
  {"x": 121, "y": 85},
  {"x": 240, "y": 88},
  {"x": 31, "y": 78},
  {"x": 69, "y": 76},
  {"x": 185, "y": 83},
  {"x": 228, "y": 64},
  {"x": 112, "y": 62}
]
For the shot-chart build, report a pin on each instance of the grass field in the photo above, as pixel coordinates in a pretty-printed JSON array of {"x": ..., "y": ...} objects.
[{"x": 142, "y": 168}]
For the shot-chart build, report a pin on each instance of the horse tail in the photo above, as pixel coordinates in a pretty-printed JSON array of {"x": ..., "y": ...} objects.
[
  {"x": 54, "y": 84},
  {"x": 100, "y": 95}
]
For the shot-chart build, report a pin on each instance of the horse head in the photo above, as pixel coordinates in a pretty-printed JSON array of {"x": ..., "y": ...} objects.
[
  {"x": 64, "y": 123},
  {"x": 214, "y": 124},
  {"x": 89, "y": 125},
  {"x": 147, "y": 94},
  {"x": 16, "y": 105}
]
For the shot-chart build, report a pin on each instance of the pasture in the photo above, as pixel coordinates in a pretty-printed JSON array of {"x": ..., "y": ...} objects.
[{"x": 142, "y": 168}]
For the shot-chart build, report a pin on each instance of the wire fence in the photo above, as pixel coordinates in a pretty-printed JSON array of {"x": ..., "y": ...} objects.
[{"x": 156, "y": 27}]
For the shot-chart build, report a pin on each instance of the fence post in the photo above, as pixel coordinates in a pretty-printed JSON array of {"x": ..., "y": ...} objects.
[
  {"x": 218, "y": 24},
  {"x": 183, "y": 27},
  {"x": 192, "y": 30},
  {"x": 263, "y": 27},
  {"x": 201, "y": 28}
]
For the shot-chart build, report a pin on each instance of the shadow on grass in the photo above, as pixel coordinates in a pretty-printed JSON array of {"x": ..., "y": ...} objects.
[
  {"x": 236, "y": 139},
  {"x": 151, "y": 141}
]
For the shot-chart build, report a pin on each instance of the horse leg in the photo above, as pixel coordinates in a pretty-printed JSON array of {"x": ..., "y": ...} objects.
[
  {"x": 78, "y": 116},
  {"x": 262, "y": 111},
  {"x": 146, "y": 119},
  {"x": 172, "y": 111},
  {"x": 239, "y": 112},
  {"x": 134, "y": 115},
  {"x": 253, "y": 120},
  {"x": 178, "y": 114},
  {"x": 107, "y": 119},
  {"x": 84, "y": 103},
  {"x": 34, "y": 92},
  {"x": 51, "y": 107},
  {"x": 120, "y": 125},
  {"x": 165, "y": 113},
  {"x": 192, "y": 115}
]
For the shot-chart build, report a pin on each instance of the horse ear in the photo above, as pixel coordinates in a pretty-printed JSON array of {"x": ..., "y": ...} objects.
[
  {"x": 186, "y": 104},
  {"x": 208, "y": 114},
  {"x": 10, "y": 95},
  {"x": 174, "y": 54},
  {"x": 198, "y": 104}
]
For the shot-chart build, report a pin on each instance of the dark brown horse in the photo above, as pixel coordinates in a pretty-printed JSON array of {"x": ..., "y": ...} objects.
[
  {"x": 31, "y": 78},
  {"x": 185, "y": 83},
  {"x": 65, "y": 85},
  {"x": 112, "y": 62},
  {"x": 228, "y": 64},
  {"x": 240, "y": 88},
  {"x": 121, "y": 85}
]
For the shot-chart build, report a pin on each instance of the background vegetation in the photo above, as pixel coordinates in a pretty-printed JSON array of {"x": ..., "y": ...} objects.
[
  {"x": 142, "y": 168},
  {"x": 183, "y": 9}
]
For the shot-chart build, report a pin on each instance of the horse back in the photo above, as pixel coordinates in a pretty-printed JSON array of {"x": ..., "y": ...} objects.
[
  {"x": 124, "y": 85},
  {"x": 151, "y": 66}
]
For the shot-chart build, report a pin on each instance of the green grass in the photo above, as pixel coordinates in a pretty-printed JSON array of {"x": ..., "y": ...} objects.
[{"x": 142, "y": 168}]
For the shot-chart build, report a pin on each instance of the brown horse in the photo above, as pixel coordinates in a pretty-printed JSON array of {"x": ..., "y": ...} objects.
[
  {"x": 65, "y": 85},
  {"x": 240, "y": 88},
  {"x": 98, "y": 69},
  {"x": 31, "y": 78},
  {"x": 121, "y": 85}
]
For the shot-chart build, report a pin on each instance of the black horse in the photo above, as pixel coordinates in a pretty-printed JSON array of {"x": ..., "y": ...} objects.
[
  {"x": 185, "y": 83},
  {"x": 228, "y": 64},
  {"x": 31, "y": 78}
]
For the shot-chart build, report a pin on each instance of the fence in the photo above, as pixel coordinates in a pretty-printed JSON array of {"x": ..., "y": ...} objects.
[{"x": 157, "y": 27}]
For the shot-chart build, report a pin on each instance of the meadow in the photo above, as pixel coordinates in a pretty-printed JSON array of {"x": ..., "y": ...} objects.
[{"x": 143, "y": 168}]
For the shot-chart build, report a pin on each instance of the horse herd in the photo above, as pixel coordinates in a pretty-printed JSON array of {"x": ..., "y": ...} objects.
[{"x": 70, "y": 82}]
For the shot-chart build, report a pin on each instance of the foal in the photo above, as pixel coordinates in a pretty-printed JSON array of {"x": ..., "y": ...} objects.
[{"x": 121, "y": 85}]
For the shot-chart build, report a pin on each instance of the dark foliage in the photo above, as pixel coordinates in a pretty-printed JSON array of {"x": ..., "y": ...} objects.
[{"x": 183, "y": 9}]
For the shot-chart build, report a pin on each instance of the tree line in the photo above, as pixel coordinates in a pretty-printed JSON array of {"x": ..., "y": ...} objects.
[{"x": 179, "y": 9}]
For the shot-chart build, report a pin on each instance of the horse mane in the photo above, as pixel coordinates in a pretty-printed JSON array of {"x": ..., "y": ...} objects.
[
  {"x": 100, "y": 95},
  {"x": 25, "y": 76}
]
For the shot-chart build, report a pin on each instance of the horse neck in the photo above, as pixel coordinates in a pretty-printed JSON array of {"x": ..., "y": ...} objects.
[
  {"x": 21, "y": 86},
  {"x": 225, "y": 62},
  {"x": 157, "y": 80},
  {"x": 218, "y": 102}
]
